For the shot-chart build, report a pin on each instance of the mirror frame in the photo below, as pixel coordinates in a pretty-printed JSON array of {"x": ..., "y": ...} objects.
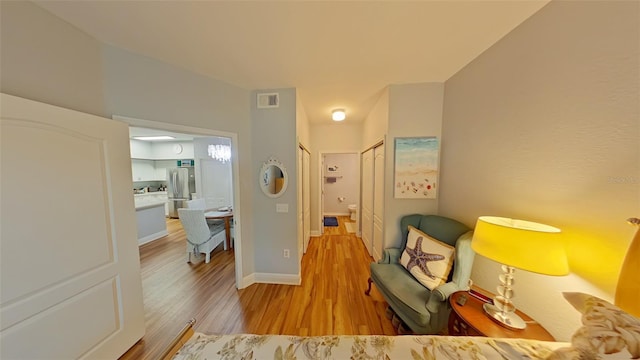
[{"x": 262, "y": 180}]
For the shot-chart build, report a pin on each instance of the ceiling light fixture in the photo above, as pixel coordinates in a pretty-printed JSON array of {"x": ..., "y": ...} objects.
[
  {"x": 219, "y": 152},
  {"x": 338, "y": 115},
  {"x": 153, "y": 138}
]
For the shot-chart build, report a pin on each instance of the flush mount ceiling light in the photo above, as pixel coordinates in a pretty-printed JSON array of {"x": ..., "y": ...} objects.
[
  {"x": 338, "y": 115},
  {"x": 153, "y": 138}
]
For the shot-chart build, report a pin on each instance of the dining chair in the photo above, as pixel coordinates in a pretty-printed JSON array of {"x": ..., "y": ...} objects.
[
  {"x": 200, "y": 239},
  {"x": 201, "y": 204},
  {"x": 197, "y": 204}
]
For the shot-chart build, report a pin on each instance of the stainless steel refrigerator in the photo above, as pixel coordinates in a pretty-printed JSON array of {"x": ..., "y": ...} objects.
[{"x": 181, "y": 183}]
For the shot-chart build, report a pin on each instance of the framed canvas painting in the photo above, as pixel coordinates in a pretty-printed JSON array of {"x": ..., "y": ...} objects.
[{"x": 416, "y": 167}]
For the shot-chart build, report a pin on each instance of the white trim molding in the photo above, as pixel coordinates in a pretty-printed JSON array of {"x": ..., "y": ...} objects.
[{"x": 271, "y": 278}]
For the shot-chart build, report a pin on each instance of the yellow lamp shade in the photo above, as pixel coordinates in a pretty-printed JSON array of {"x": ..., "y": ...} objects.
[{"x": 521, "y": 244}]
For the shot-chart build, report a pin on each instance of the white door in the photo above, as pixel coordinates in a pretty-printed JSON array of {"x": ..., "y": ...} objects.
[
  {"x": 322, "y": 179},
  {"x": 367, "y": 199},
  {"x": 215, "y": 183},
  {"x": 70, "y": 268},
  {"x": 299, "y": 196},
  {"x": 378, "y": 202},
  {"x": 306, "y": 198}
]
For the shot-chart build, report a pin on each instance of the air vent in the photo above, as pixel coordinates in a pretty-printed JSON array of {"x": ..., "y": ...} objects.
[{"x": 268, "y": 100}]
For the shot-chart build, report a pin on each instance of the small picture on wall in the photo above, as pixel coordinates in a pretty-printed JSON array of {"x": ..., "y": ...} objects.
[{"x": 416, "y": 167}]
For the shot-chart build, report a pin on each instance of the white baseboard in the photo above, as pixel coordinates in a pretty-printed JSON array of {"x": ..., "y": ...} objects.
[
  {"x": 269, "y": 278},
  {"x": 315, "y": 233},
  {"x": 150, "y": 238}
]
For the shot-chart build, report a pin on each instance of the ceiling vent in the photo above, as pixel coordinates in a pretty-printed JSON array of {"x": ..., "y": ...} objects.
[{"x": 268, "y": 100}]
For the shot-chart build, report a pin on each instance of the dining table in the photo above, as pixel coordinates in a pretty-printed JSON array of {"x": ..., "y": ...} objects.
[{"x": 227, "y": 216}]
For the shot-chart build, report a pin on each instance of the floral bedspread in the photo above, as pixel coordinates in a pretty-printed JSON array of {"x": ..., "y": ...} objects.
[{"x": 370, "y": 347}]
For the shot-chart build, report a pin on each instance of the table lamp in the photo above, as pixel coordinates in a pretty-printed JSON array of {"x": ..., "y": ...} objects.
[{"x": 517, "y": 244}]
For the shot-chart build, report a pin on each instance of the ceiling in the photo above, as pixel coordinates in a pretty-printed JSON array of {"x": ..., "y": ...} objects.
[{"x": 338, "y": 54}]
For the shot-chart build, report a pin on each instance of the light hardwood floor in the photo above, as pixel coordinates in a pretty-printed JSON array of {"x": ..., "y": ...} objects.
[{"x": 329, "y": 301}]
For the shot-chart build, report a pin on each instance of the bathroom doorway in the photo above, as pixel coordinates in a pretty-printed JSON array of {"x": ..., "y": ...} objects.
[{"x": 340, "y": 187}]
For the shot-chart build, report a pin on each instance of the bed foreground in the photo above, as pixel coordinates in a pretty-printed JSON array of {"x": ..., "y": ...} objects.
[{"x": 245, "y": 346}]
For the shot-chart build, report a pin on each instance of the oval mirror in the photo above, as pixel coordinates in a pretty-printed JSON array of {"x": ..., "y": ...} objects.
[{"x": 273, "y": 178}]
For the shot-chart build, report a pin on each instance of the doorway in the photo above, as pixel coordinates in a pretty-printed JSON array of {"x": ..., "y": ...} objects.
[
  {"x": 234, "y": 173},
  {"x": 339, "y": 186}
]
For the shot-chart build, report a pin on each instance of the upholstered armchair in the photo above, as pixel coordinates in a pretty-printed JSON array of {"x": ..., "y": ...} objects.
[{"x": 424, "y": 311}]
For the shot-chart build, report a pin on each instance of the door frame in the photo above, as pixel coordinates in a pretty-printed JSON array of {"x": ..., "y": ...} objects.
[
  {"x": 321, "y": 155},
  {"x": 237, "y": 217}
]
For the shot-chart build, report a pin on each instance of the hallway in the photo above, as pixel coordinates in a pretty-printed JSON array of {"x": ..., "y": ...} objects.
[{"x": 329, "y": 301}]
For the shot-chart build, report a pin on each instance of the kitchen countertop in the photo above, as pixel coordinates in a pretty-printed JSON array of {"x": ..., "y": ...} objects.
[
  {"x": 149, "y": 205},
  {"x": 152, "y": 193}
]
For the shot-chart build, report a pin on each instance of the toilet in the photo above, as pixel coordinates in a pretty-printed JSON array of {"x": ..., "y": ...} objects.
[{"x": 353, "y": 208}]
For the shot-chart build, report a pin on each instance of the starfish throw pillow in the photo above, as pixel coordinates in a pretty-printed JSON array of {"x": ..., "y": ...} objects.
[{"x": 427, "y": 259}]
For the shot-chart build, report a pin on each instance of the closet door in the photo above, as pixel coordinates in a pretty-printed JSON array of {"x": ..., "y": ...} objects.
[
  {"x": 306, "y": 199},
  {"x": 300, "y": 202},
  {"x": 70, "y": 271},
  {"x": 378, "y": 202},
  {"x": 367, "y": 199}
]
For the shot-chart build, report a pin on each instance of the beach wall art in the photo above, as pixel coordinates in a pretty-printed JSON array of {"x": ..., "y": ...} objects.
[{"x": 416, "y": 167}]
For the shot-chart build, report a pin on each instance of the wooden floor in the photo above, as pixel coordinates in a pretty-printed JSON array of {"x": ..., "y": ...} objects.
[{"x": 329, "y": 301}]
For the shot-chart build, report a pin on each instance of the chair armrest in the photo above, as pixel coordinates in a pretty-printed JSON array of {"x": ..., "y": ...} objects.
[
  {"x": 464, "y": 261},
  {"x": 390, "y": 256},
  {"x": 441, "y": 294},
  {"x": 461, "y": 273}
]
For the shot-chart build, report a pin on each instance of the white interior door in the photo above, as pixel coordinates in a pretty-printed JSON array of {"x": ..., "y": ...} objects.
[
  {"x": 367, "y": 199},
  {"x": 70, "y": 269},
  {"x": 306, "y": 198},
  {"x": 378, "y": 201},
  {"x": 300, "y": 214},
  {"x": 322, "y": 193},
  {"x": 216, "y": 183}
]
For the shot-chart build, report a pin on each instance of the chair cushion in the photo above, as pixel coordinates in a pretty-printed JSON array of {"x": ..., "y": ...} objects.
[
  {"x": 407, "y": 296},
  {"x": 427, "y": 259}
]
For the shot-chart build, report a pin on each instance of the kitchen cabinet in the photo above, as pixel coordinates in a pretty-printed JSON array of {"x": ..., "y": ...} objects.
[
  {"x": 145, "y": 170},
  {"x": 152, "y": 198},
  {"x": 150, "y": 160},
  {"x": 151, "y": 222},
  {"x": 169, "y": 150}
]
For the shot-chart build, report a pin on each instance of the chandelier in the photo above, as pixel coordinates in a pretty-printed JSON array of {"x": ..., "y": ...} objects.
[{"x": 220, "y": 152}]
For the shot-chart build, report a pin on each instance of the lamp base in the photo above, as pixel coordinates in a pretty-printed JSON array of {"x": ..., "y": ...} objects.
[{"x": 508, "y": 320}]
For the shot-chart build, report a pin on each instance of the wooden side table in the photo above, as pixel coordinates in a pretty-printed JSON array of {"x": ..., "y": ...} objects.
[{"x": 470, "y": 320}]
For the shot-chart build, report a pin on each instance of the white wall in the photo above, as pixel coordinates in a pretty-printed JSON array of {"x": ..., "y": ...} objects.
[
  {"x": 415, "y": 110},
  {"x": 45, "y": 59},
  {"x": 274, "y": 135},
  {"x": 544, "y": 126},
  {"x": 346, "y": 186},
  {"x": 49, "y": 60},
  {"x": 302, "y": 123},
  {"x": 164, "y": 150},
  {"x": 375, "y": 125}
]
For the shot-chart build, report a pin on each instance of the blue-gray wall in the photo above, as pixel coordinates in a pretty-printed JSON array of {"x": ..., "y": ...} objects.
[{"x": 274, "y": 135}]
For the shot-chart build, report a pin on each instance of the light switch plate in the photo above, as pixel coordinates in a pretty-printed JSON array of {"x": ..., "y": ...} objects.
[{"x": 282, "y": 208}]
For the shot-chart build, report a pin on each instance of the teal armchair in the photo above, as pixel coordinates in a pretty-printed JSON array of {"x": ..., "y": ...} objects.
[{"x": 424, "y": 311}]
